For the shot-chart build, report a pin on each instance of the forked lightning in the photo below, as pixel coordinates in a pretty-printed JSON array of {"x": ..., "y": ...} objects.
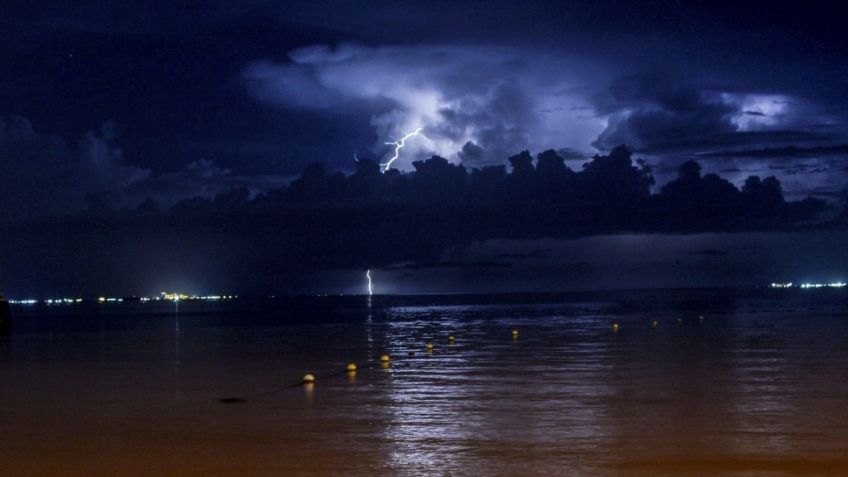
[{"x": 398, "y": 146}]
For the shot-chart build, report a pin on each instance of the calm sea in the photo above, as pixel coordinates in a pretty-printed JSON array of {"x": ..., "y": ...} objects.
[{"x": 725, "y": 382}]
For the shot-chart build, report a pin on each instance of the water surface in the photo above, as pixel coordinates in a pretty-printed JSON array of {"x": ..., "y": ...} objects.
[{"x": 758, "y": 386}]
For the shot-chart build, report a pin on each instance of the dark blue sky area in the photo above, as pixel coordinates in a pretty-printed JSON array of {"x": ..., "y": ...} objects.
[{"x": 106, "y": 106}]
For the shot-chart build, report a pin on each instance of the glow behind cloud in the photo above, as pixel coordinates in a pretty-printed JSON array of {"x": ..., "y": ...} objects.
[{"x": 500, "y": 100}]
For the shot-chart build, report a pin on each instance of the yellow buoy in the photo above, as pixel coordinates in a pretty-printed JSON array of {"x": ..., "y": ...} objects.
[
  {"x": 351, "y": 368},
  {"x": 615, "y": 326},
  {"x": 429, "y": 346},
  {"x": 308, "y": 378},
  {"x": 451, "y": 339},
  {"x": 515, "y": 333},
  {"x": 385, "y": 358},
  {"x": 654, "y": 323}
]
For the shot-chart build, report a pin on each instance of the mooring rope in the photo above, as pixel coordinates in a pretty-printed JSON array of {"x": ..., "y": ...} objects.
[{"x": 236, "y": 400}]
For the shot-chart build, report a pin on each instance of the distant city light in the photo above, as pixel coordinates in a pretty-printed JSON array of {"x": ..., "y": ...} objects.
[
  {"x": 809, "y": 285},
  {"x": 823, "y": 285},
  {"x": 182, "y": 296},
  {"x": 107, "y": 299}
]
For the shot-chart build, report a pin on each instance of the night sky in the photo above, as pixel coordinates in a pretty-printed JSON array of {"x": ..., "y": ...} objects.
[{"x": 115, "y": 117}]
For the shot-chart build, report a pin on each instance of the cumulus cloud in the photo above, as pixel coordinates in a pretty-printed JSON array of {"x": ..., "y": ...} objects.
[
  {"x": 477, "y": 105},
  {"x": 44, "y": 176},
  {"x": 480, "y": 105},
  {"x": 106, "y": 161},
  {"x": 737, "y": 133},
  {"x": 650, "y": 113}
]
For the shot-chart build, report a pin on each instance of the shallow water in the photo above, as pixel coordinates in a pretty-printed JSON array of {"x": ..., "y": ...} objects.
[{"x": 759, "y": 386}]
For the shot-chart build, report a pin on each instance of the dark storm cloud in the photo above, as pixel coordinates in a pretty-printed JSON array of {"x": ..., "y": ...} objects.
[
  {"x": 201, "y": 178},
  {"x": 492, "y": 77},
  {"x": 472, "y": 155},
  {"x": 477, "y": 106},
  {"x": 44, "y": 176},
  {"x": 422, "y": 222},
  {"x": 650, "y": 112},
  {"x": 814, "y": 170},
  {"x": 784, "y": 152},
  {"x": 328, "y": 220},
  {"x": 671, "y": 119},
  {"x": 666, "y": 115},
  {"x": 570, "y": 154}
]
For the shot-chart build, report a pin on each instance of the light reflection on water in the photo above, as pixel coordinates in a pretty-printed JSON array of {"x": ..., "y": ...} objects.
[{"x": 751, "y": 389}]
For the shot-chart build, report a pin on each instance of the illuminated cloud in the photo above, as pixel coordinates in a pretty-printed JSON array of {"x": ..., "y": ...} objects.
[
  {"x": 498, "y": 100},
  {"x": 661, "y": 115},
  {"x": 669, "y": 120},
  {"x": 479, "y": 105}
]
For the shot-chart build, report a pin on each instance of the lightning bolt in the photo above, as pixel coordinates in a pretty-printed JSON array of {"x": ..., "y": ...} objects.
[{"x": 398, "y": 146}]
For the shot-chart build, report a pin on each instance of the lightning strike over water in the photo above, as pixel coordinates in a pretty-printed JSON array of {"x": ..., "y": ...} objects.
[
  {"x": 370, "y": 287},
  {"x": 398, "y": 146}
]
